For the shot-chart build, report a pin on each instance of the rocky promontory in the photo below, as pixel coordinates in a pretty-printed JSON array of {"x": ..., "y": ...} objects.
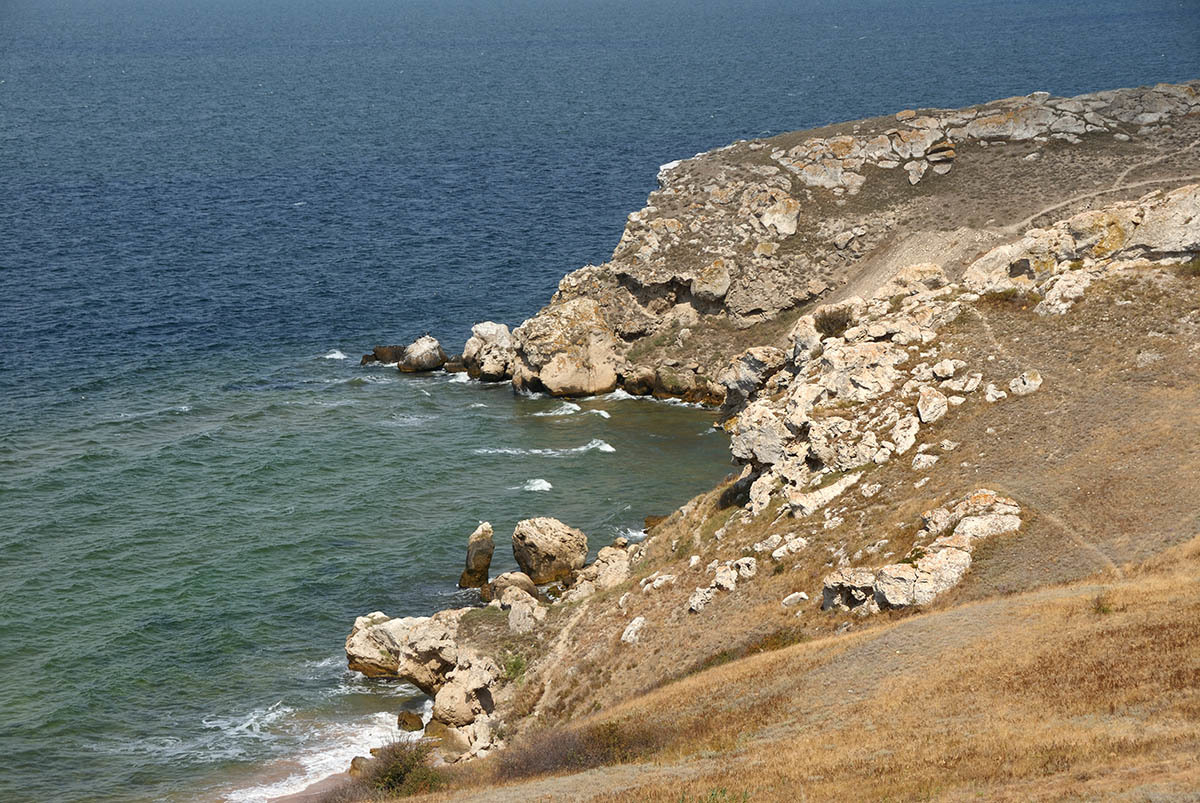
[{"x": 955, "y": 352}]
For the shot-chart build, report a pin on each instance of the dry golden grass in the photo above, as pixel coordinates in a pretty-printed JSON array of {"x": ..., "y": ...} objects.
[{"x": 1035, "y": 696}]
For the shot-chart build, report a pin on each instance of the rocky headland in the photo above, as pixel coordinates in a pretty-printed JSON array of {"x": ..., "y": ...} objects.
[{"x": 956, "y": 352}]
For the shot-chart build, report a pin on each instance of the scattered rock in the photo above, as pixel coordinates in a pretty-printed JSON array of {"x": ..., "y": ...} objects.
[
  {"x": 1026, "y": 383},
  {"x": 409, "y": 721},
  {"x": 791, "y": 600},
  {"x": 931, "y": 405},
  {"x": 490, "y": 353},
  {"x": 633, "y": 631},
  {"x": 495, "y": 589}
]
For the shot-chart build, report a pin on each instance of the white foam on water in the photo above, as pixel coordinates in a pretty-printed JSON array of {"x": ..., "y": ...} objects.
[
  {"x": 476, "y": 406},
  {"x": 601, "y": 413},
  {"x": 566, "y": 408},
  {"x": 632, "y": 534},
  {"x": 335, "y": 355},
  {"x": 622, "y": 395},
  {"x": 338, "y": 746},
  {"x": 461, "y": 376},
  {"x": 593, "y": 445},
  {"x": 534, "y": 485}
]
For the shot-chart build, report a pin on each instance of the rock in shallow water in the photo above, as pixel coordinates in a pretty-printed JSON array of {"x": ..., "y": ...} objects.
[
  {"x": 548, "y": 550},
  {"x": 479, "y": 557}
]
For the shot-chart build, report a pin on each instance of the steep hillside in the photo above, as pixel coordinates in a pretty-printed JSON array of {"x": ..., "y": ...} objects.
[{"x": 957, "y": 554}]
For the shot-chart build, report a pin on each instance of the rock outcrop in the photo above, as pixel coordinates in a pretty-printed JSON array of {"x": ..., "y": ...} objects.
[
  {"x": 417, "y": 649},
  {"x": 568, "y": 349},
  {"x": 479, "y": 557},
  {"x": 937, "y": 561},
  {"x": 548, "y": 550}
]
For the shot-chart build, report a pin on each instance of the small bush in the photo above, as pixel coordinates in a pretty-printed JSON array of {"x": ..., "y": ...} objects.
[
  {"x": 399, "y": 769},
  {"x": 577, "y": 749},
  {"x": 833, "y": 322},
  {"x": 1191, "y": 268},
  {"x": 1101, "y": 604},
  {"x": 514, "y": 666},
  {"x": 402, "y": 768}
]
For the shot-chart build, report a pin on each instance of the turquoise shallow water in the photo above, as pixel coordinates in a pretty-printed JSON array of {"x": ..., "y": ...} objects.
[{"x": 184, "y": 559}]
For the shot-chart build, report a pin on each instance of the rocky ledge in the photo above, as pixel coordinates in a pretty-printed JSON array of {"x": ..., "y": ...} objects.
[{"x": 737, "y": 242}]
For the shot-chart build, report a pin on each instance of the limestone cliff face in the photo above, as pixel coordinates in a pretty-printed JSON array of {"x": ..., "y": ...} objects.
[{"x": 737, "y": 242}]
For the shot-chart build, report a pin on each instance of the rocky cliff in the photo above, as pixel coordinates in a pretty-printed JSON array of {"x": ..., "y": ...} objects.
[
  {"x": 737, "y": 242},
  {"x": 957, "y": 358}
]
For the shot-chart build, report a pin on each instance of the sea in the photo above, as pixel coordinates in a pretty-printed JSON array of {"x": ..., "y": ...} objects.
[{"x": 210, "y": 209}]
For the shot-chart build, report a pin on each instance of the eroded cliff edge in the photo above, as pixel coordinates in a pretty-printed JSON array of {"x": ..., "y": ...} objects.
[
  {"x": 931, "y": 397},
  {"x": 736, "y": 243}
]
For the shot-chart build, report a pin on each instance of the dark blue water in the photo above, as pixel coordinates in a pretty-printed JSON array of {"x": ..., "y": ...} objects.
[{"x": 200, "y": 201}]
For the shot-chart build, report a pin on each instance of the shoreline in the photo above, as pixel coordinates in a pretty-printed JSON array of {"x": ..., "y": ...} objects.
[{"x": 571, "y": 349}]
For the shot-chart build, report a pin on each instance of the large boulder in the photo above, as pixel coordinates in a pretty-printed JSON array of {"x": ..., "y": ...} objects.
[
  {"x": 424, "y": 354},
  {"x": 490, "y": 352},
  {"x": 747, "y": 372},
  {"x": 466, "y": 693},
  {"x": 479, "y": 557},
  {"x": 567, "y": 349},
  {"x": 548, "y": 550},
  {"x": 417, "y": 649}
]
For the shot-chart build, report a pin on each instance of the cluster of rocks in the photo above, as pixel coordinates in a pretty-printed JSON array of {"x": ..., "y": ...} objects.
[
  {"x": 864, "y": 377},
  {"x": 736, "y": 236},
  {"x": 725, "y": 578},
  {"x": 927, "y": 141},
  {"x": 426, "y": 651},
  {"x": 936, "y": 563},
  {"x": 1060, "y": 262},
  {"x": 421, "y": 356}
]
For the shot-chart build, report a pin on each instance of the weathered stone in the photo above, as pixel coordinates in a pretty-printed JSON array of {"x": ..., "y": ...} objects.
[
  {"x": 931, "y": 405},
  {"x": 466, "y": 693},
  {"x": 747, "y": 372},
  {"x": 419, "y": 649},
  {"x": 409, "y": 721},
  {"x": 794, "y": 599},
  {"x": 700, "y": 599},
  {"x": 904, "y": 433},
  {"x": 424, "y": 354},
  {"x": 489, "y": 353},
  {"x": 805, "y": 504},
  {"x": 633, "y": 631},
  {"x": 1026, "y": 383},
  {"x": 548, "y": 550},
  {"x": 495, "y": 589},
  {"x": 847, "y": 588},
  {"x": 567, "y": 349},
  {"x": 479, "y": 557}
]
